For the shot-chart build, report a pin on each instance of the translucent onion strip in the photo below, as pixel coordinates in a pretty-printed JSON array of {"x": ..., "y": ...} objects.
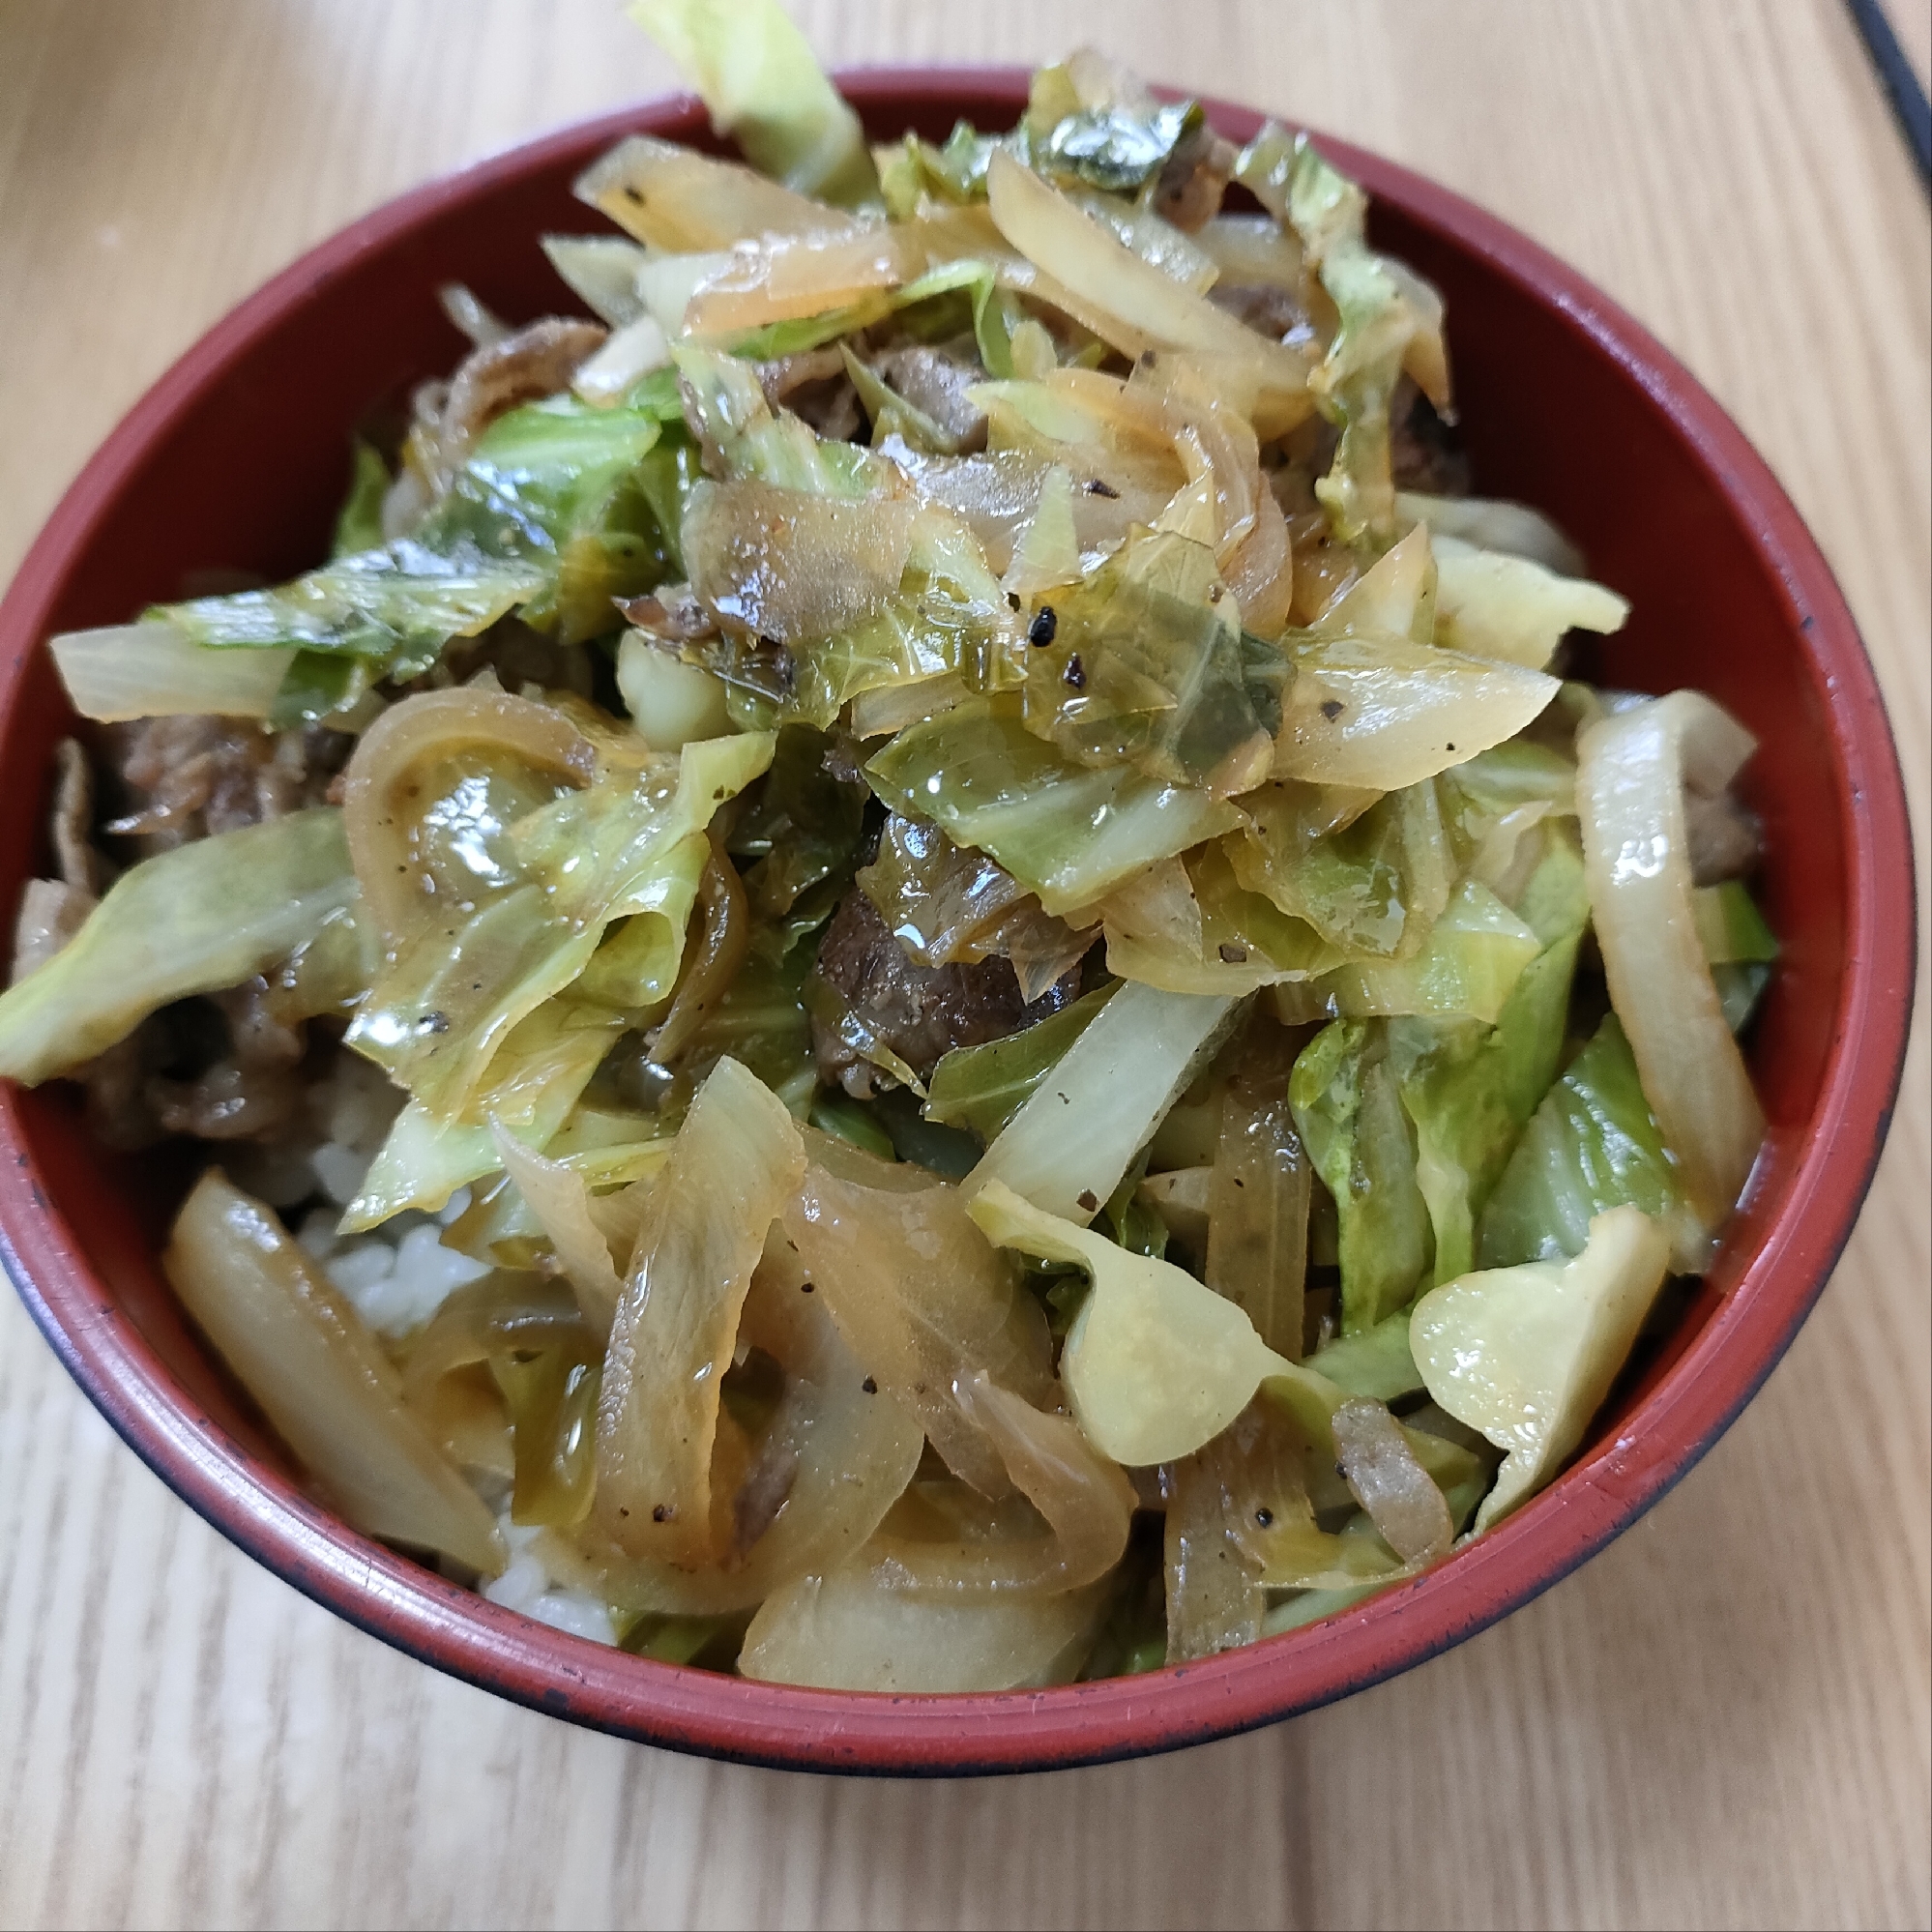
[
  {"x": 1086, "y": 1502},
  {"x": 1258, "y": 1197},
  {"x": 561, "y": 1202},
  {"x": 850, "y": 1632},
  {"x": 921, "y": 1296},
  {"x": 1409, "y": 1512},
  {"x": 1632, "y": 769},
  {"x": 841, "y": 1446},
  {"x": 737, "y": 1161},
  {"x": 299, "y": 1348},
  {"x": 408, "y": 735},
  {"x": 1214, "y": 1598}
]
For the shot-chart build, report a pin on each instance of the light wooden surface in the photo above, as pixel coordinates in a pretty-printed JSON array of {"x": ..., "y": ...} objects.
[{"x": 1722, "y": 1721}]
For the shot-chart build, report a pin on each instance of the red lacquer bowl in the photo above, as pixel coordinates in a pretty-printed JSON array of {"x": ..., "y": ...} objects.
[{"x": 237, "y": 458}]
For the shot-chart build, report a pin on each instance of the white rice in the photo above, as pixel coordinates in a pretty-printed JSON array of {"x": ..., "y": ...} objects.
[{"x": 528, "y": 1586}]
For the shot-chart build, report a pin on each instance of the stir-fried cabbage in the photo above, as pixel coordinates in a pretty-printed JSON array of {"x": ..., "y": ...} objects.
[
  {"x": 957, "y": 869},
  {"x": 1528, "y": 1354},
  {"x": 202, "y": 917}
]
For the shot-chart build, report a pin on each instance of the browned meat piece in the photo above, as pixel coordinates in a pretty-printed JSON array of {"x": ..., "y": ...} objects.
[
  {"x": 1263, "y": 307},
  {"x": 1726, "y": 841},
  {"x": 672, "y": 612},
  {"x": 936, "y": 384},
  {"x": 189, "y": 776},
  {"x": 1424, "y": 452},
  {"x": 72, "y": 824},
  {"x": 518, "y": 656},
  {"x": 524, "y": 367},
  {"x": 785, "y": 374},
  {"x": 813, "y": 385},
  {"x": 51, "y": 912},
  {"x": 917, "y": 1011},
  {"x": 1194, "y": 178}
]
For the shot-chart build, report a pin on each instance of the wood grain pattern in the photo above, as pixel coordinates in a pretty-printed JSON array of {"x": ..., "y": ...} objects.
[{"x": 1722, "y": 1721}]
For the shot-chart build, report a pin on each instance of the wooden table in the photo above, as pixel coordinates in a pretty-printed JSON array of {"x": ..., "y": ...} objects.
[{"x": 1722, "y": 1721}]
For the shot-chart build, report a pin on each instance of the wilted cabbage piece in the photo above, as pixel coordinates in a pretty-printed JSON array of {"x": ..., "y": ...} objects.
[
  {"x": 1527, "y": 1355},
  {"x": 1067, "y": 832},
  {"x": 1069, "y": 1146},
  {"x": 1380, "y": 712},
  {"x": 1492, "y": 605},
  {"x": 1372, "y": 1362},
  {"x": 1156, "y": 1364},
  {"x": 199, "y": 918},
  {"x": 756, "y": 73},
  {"x": 630, "y": 846},
  {"x": 1347, "y": 1099},
  {"x": 1471, "y": 1089},
  {"x": 1591, "y": 1145},
  {"x": 1389, "y": 322},
  {"x": 983, "y": 1088},
  {"x": 533, "y": 1080},
  {"x": 1145, "y": 663}
]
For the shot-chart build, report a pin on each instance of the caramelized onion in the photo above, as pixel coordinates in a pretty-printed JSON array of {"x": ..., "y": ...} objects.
[
  {"x": 1633, "y": 770},
  {"x": 436, "y": 725},
  {"x": 1383, "y": 1476},
  {"x": 709, "y": 969}
]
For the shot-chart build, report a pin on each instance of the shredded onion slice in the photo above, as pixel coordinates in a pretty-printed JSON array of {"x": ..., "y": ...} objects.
[
  {"x": 559, "y": 1200},
  {"x": 1214, "y": 1598},
  {"x": 433, "y": 725},
  {"x": 921, "y": 1296},
  {"x": 1632, "y": 769},
  {"x": 1385, "y": 1477},
  {"x": 302, "y": 1351},
  {"x": 737, "y": 1161}
]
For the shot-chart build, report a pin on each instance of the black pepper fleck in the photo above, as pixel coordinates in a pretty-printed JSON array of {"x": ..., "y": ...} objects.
[
  {"x": 1333, "y": 709},
  {"x": 805, "y": 1287},
  {"x": 433, "y": 1023},
  {"x": 1233, "y": 953},
  {"x": 1264, "y": 1517},
  {"x": 1044, "y": 627},
  {"x": 870, "y": 1386},
  {"x": 1087, "y": 1199},
  {"x": 1095, "y": 487},
  {"x": 1074, "y": 676},
  {"x": 662, "y": 1513},
  {"x": 1012, "y": 599}
]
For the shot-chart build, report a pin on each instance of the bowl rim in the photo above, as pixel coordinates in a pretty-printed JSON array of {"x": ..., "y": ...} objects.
[{"x": 783, "y": 1726}]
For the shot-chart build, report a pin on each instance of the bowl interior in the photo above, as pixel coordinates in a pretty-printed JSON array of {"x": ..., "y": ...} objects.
[{"x": 240, "y": 459}]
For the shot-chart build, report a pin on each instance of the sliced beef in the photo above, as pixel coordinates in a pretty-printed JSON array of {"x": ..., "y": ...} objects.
[
  {"x": 1725, "y": 839},
  {"x": 189, "y": 776},
  {"x": 524, "y": 367},
  {"x": 1263, "y": 306},
  {"x": 919, "y": 1011},
  {"x": 1194, "y": 178},
  {"x": 1424, "y": 452},
  {"x": 936, "y": 384}
]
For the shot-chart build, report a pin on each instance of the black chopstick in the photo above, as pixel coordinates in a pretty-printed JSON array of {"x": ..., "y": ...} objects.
[{"x": 1908, "y": 99}]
